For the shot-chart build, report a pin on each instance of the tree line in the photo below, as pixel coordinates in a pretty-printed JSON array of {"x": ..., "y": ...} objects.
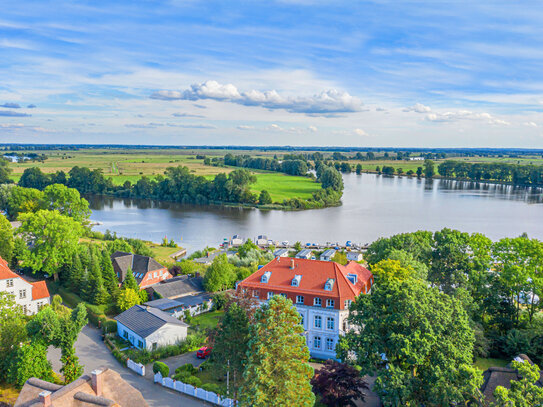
[{"x": 178, "y": 184}]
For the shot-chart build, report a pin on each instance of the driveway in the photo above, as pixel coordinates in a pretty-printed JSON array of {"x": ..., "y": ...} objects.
[
  {"x": 94, "y": 354},
  {"x": 174, "y": 362}
]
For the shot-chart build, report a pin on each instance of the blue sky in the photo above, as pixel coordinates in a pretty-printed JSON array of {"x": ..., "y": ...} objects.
[{"x": 379, "y": 73}]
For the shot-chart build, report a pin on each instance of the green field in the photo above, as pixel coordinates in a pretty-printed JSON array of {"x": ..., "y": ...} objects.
[
  {"x": 484, "y": 363},
  {"x": 131, "y": 165}
]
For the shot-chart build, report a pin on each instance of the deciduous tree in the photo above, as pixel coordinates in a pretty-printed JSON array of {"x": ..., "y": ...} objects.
[
  {"x": 277, "y": 369},
  {"x": 339, "y": 384},
  {"x": 6, "y": 239}
]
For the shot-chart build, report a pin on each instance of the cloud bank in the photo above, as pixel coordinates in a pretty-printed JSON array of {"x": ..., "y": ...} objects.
[
  {"x": 9, "y": 113},
  {"x": 454, "y": 116},
  {"x": 327, "y": 102}
]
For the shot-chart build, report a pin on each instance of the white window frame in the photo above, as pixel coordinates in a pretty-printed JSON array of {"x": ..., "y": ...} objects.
[
  {"x": 270, "y": 295},
  {"x": 315, "y": 319},
  {"x": 9, "y": 283},
  {"x": 22, "y": 294},
  {"x": 330, "y": 344},
  {"x": 256, "y": 293},
  {"x": 299, "y": 299},
  {"x": 330, "y": 303},
  {"x": 317, "y": 302},
  {"x": 330, "y": 321},
  {"x": 317, "y": 342},
  {"x": 348, "y": 304}
]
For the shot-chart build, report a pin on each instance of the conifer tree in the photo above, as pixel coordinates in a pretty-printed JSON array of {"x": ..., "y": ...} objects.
[
  {"x": 111, "y": 282},
  {"x": 96, "y": 293},
  {"x": 76, "y": 273},
  {"x": 130, "y": 281},
  {"x": 277, "y": 370}
]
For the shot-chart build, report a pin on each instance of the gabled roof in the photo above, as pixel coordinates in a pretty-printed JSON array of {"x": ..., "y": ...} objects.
[
  {"x": 39, "y": 290},
  {"x": 5, "y": 272},
  {"x": 140, "y": 265},
  {"x": 314, "y": 274},
  {"x": 144, "y": 321},
  {"x": 179, "y": 286},
  {"x": 328, "y": 253},
  {"x": 186, "y": 301}
]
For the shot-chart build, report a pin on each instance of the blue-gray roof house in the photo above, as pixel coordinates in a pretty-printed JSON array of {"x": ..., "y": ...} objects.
[
  {"x": 304, "y": 254},
  {"x": 196, "y": 304},
  {"x": 327, "y": 255},
  {"x": 150, "y": 328}
]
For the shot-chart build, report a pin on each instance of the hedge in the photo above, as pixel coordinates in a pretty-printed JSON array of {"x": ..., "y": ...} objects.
[
  {"x": 194, "y": 381},
  {"x": 162, "y": 368}
]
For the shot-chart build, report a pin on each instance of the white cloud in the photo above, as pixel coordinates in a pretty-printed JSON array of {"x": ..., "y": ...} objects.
[
  {"x": 360, "y": 132},
  {"x": 418, "y": 108},
  {"x": 465, "y": 115},
  {"x": 312, "y": 129},
  {"x": 243, "y": 127},
  {"x": 326, "y": 102},
  {"x": 530, "y": 124}
]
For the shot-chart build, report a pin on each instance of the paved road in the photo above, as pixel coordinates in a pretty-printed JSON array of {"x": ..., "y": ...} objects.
[{"x": 94, "y": 354}]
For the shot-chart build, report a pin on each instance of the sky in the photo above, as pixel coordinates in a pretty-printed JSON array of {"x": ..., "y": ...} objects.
[{"x": 301, "y": 73}]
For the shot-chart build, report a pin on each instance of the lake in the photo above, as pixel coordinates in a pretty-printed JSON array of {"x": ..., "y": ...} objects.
[{"x": 373, "y": 206}]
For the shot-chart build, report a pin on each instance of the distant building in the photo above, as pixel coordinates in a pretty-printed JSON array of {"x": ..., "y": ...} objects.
[
  {"x": 280, "y": 253},
  {"x": 30, "y": 296},
  {"x": 502, "y": 376},
  {"x": 322, "y": 292},
  {"x": 146, "y": 270},
  {"x": 416, "y": 158},
  {"x": 150, "y": 328},
  {"x": 208, "y": 259},
  {"x": 327, "y": 255},
  {"x": 103, "y": 387},
  {"x": 195, "y": 304},
  {"x": 304, "y": 254},
  {"x": 354, "y": 256},
  {"x": 177, "y": 287},
  {"x": 262, "y": 240},
  {"x": 236, "y": 240}
]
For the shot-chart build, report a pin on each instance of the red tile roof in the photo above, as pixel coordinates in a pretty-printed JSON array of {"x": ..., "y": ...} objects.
[
  {"x": 39, "y": 290},
  {"x": 5, "y": 272},
  {"x": 314, "y": 274}
]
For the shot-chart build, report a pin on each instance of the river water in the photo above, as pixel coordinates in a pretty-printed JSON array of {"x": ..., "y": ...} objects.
[{"x": 373, "y": 206}]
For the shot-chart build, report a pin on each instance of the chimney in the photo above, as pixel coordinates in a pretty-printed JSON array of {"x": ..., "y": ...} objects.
[
  {"x": 96, "y": 381},
  {"x": 45, "y": 398},
  {"x": 292, "y": 264}
]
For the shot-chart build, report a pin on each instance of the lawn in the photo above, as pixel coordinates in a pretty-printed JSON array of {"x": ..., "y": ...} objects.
[
  {"x": 484, "y": 363},
  {"x": 207, "y": 319},
  {"x": 281, "y": 186}
]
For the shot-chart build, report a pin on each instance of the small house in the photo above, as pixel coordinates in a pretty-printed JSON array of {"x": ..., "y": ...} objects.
[
  {"x": 354, "y": 256},
  {"x": 327, "y": 255},
  {"x": 195, "y": 304},
  {"x": 280, "y": 253},
  {"x": 150, "y": 328},
  {"x": 146, "y": 270},
  {"x": 304, "y": 254},
  {"x": 176, "y": 287},
  {"x": 236, "y": 240},
  {"x": 31, "y": 297}
]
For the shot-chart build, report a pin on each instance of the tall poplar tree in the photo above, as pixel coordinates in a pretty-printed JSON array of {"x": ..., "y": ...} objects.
[{"x": 277, "y": 371}]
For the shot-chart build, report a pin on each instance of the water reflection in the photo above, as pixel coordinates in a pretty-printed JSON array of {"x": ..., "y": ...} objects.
[{"x": 373, "y": 206}]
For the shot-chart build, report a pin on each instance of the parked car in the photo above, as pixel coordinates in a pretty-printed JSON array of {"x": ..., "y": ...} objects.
[{"x": 203, "y": 352}]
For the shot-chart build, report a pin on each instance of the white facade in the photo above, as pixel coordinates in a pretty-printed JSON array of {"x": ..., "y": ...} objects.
[
  {"x": 236, "y": 240},
  {"x": 22, "y": 294},
  {"x": 168, "y": 334},
  {"x": 323, "y": 327},
  {"x": 354, "y": 256}
]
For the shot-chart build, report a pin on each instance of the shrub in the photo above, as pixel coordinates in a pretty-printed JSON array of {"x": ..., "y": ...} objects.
[
  {"x": 182, "y": 376},
  {"x": 162, "y": 368},
  {"x": 194, "y": 381},
  {"x": 187, "y": 367},
  {"x": 109, "y": 326},
  {"x": 212, "y": 387}
]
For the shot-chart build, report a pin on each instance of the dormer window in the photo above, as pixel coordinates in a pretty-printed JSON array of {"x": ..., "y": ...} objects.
[
  {"x": 296, "y": 280},
  {"x": 329, "y": 284},
  {"x": 265, "y": 277},
  {"x": 353, "y": 278}
]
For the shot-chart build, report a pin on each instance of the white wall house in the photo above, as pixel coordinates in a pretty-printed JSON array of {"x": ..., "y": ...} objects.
[
  {"x": 322, "y": 292},
  {"x": 149, "y": 328},
  {"x": 327, "y": 255},
  {"x": 30, "y": 296},
  {"x": 236, "y": 240},
  {"x": 354, "y": 256}
]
